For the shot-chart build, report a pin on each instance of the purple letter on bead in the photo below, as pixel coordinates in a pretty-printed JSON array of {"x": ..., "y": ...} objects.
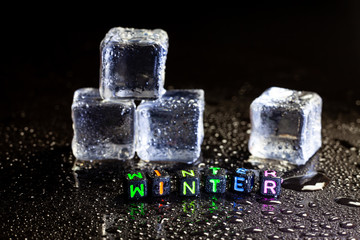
[
  {"x": 269, "y": 172},
  {"x": 269, "y": 184}
]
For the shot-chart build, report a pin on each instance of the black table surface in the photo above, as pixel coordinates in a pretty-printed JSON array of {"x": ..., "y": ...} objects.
[{"x": 234, "y": 55}]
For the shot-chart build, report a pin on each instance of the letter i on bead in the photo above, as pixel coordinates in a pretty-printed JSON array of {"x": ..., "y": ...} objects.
[{"x": 159, "y": 182}]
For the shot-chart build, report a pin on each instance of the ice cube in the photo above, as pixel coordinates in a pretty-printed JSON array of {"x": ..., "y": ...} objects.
[
  {"x": 285, "y": 124},
  {"x": 133, "y": 63},
  {"x": 102, "y": 129},
  {"x": 171, "y": 127}
]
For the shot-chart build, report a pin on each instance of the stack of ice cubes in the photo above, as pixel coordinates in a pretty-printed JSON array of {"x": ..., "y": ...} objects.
[{"x": 165, "y": 126}]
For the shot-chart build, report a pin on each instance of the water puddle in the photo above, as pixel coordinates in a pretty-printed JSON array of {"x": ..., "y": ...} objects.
[
  {"x": 348, "y": 202},
  {"x": 313, "y": 181}
]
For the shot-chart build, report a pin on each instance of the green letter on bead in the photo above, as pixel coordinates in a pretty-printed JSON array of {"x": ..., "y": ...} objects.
[
  {"x": 131, "y": 176},
  {"x": 214, "y": 170},
  {"x": 191, "y": 189},
  {"x": 191, "y": 173},
  {"x": 214, "y": 182},
  {"x": 137, "y": 189}
]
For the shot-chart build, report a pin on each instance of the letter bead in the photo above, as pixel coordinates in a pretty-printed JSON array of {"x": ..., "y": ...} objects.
[
  {"x": 270, "y": 183},
  {"x": 243, "y": 180},
  {"x": 136, "y": 184},
  {"x": 188, "y": 182},
  {"x": 159, "y": 182},
  {"x": 215, "y": 180}
]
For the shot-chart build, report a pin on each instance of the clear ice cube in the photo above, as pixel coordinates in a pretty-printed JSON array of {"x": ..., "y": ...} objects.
[
  {"x": 286, "y": 125},
  {"x": 133, "y": 63},
  {"x": 102, "y": 129},
  {"x": 171, "y": 127}
]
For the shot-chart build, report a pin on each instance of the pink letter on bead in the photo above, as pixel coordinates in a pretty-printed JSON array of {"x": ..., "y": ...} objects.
[
  {"x": 269, "y": 184},
  {"x": 269, "y": 172}
]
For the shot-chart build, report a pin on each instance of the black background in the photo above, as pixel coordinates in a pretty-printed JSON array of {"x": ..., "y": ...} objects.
[{"x": 304, "y": 46}]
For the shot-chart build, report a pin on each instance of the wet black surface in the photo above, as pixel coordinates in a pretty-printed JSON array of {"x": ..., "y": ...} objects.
[{"x": 45, "y": 194}]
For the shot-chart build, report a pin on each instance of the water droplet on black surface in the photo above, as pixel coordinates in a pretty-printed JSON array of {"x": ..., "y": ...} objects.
[
  {"x": 274, "y": 237},
  {"x": 299, "y": 205},
  {"x": 268, "y": 213},
  {"x": 309, "y": 234},
  {"x": 276, "y": 220},
  {"x": 253, "y": 230},
  {"x": 286, "y": 229},
  {"x": 325, "y": 226},
  {"x": 302, "y": 214},
  {"x": 238, "y": 213},
  {"x": 235, "y": 219},
  {"x": 347, "y": 224},
  {"x": 299, "y": 226},
  {"x": 325, "y": 234},
  {"x": 296, "y": 219},
  {"x": 333, "y": 218},
  {"x": 347, "y": 202},
  {"x": 286, "y": 211},
  {"x": 312, "y": 204},
  {"x": 268, "y": 201},
  {"x": 313, "y": 181},
  {"x": 342, "y": 233}
]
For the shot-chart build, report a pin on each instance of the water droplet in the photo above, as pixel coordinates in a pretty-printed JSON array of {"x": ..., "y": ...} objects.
[
  {"x": 325, "y": 234},
  {"x": 296, "y": 219},
  {"x": 347, "y": 224},
  {"x": 333, "y": 218},
  {"x": 309, "y": 234},
  {"x": 238, "y": 212},
  {"x": 347, "y": 202},
  {"x": 235, "y": 219},
  {"x": 276, "y": 220},
  {"x": 253, "y": 230},
  {"x": 268, "y": 201},
  {"x": 342, "y": 233},
  {"x": 312, "y": 181},
  {"x": 267, "y": 213},
  {"x": 299, "y": 205},
  {"x": 302, "y": 214},
  {"x": 299, "y": 226},
  {"x": 325, "y": 226},
  {"x": 315, "y": 229},
  {"x": 274, "y": 237},
  {"x": 286, "y": 211},
  {"x": 286, "y": 229}
]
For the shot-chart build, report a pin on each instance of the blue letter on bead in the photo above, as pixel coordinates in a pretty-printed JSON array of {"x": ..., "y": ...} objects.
[
  {"x": 241, "y": 170},
  {"x": 243, "y": 180},
  {"x": 239, "y": 184}
]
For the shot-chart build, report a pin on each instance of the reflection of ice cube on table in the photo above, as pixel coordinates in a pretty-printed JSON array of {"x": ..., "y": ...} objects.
[
  {"x": 102, "y": 129},
  {"x": 133, "y": 63},
  {"x": 285, "y": 124},
  {"x": 171, "y": 127}
]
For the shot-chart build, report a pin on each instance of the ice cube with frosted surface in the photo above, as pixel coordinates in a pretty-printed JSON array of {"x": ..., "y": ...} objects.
[
  {"x": 133, "y": 63},
  {"x": 285, "y": 124},
  {"x": 102, "y": 129},
  {"x": 171, "y": 127}
]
